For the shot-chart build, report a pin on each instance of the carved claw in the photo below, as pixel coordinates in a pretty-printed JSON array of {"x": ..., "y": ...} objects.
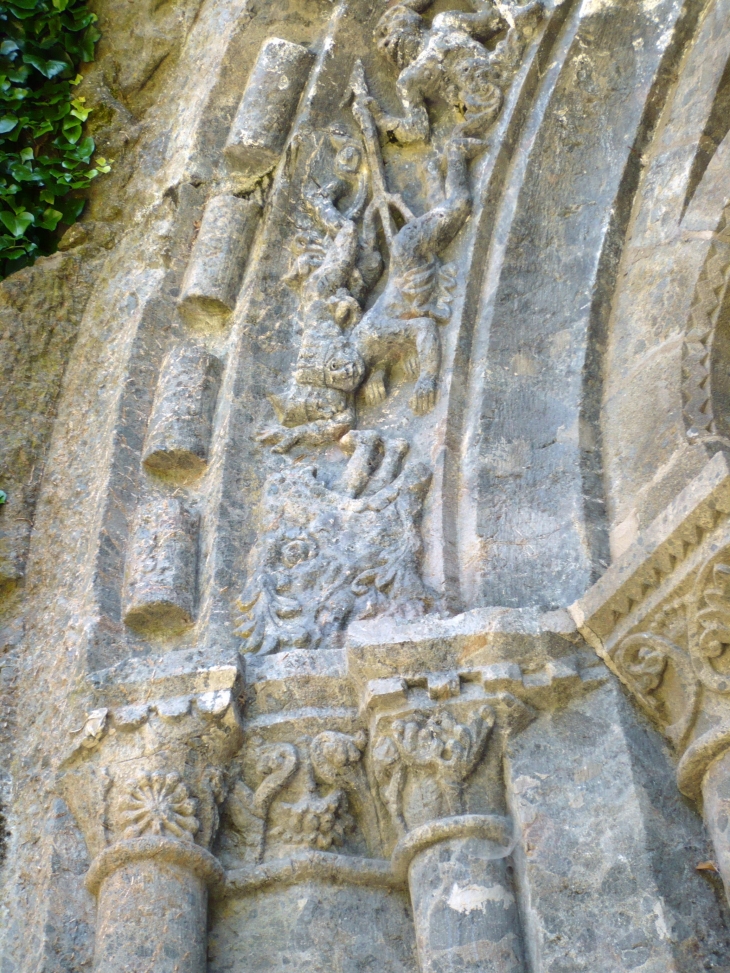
[
  {"x": 411, "y": 367},
  {"x": 374, "y": 389},
  {"x": 424, "y": 396}
]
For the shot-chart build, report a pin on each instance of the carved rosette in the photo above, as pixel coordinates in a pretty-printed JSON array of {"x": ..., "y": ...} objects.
[{"x": 145, "y": 780}]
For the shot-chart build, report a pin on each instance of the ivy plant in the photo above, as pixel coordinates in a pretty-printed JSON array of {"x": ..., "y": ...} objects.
[{"x": 45, "y": 160}]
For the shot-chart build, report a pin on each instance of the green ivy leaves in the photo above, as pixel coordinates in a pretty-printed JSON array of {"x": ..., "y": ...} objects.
[{"x": 44, "y": 159}]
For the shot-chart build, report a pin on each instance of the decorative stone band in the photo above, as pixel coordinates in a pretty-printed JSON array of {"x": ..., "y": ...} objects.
[
  {"x": 493, "y": 827},
  {"x": 172, "y": 851},
  {"x": 327, "y": 866},
  {"x": 694, "y": 764},
  {"x": 372, "y": 872}
]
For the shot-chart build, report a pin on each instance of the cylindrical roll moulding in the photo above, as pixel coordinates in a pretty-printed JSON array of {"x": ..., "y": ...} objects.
[
  {"x": 262, "y": 122},
  {"x": 464, "y": 908},
  {"x": 178, "y": 433},
  {"x": 218, "y": 259},
  {"x": 159, "y": 585},
  {"x": 716, "y": 803}
]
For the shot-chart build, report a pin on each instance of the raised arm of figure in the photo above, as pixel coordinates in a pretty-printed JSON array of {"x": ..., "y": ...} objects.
[
  {"x": 318, "y": 433},
  {"x": 335, "y": 270},
  {"x": 484, "y": 23}
]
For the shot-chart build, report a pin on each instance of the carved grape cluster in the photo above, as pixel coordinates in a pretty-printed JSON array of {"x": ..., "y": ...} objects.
[{"x": 315, "y": 822}]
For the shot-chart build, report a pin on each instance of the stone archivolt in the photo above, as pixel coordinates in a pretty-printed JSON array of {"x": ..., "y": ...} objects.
[{"x": 194, "y": 774}]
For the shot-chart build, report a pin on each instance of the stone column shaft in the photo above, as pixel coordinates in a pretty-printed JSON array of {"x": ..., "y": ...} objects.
[
  {"x": 151, "y": 918},
  {"x": 716, "y": 801},
  {"x": 464, "y": 909},
  {"x": 144, "y": 781}
]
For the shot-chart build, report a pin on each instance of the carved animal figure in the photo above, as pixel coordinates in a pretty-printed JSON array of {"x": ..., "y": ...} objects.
[
  {"x": 318, "y": 406},
  {"x": 449, "y": 61},
  {"x": 405, "y": 317}
]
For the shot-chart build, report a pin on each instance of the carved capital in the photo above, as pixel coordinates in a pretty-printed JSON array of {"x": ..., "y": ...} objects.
[
  {"x": 660, "y": 617},
  {"x": 144, "y": 779},
  {"x": 307, "y": 795},
  {"x": 436, "y": 754}
]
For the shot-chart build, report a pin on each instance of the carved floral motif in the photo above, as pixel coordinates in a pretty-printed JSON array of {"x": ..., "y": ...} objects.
[
  {"x": 643, "y": 661},
  {"x": 714, "y": 619},
  {"x": 314, "y": 821},
  {"x": 324, "y": 558},
  {"x": 159, "y": 804},
  {"x": 424, "y": 761},
  {"x": 292, "y": 807}
]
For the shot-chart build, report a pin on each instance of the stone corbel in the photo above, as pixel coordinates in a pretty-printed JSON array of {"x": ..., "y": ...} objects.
[
  {"x": 660, "y": 618},
  {"x": 436, "y": 753},
  {"x": 144, "y": 778}
]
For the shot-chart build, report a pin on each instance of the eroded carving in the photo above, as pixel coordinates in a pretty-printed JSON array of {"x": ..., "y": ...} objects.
[
  {"x": 314, "y": 821},
  {"x": 249, "y": 808},
  {"x": 304, "y": 797},
  {"x": 341, "y": 541},
  {"x": 332, "y": 552},
  {"x": 642, "y": 661},
  {"x": 159, "y": 804},
  {"x": 713, "y": 620},
  {"x": 449, "y": 61},
  {"x": 423, "y": 762},
  {"x": 698, "y": 351}
]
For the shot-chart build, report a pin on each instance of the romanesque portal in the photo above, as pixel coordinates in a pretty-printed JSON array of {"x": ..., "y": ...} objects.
[{"x": 366, "y": 573}]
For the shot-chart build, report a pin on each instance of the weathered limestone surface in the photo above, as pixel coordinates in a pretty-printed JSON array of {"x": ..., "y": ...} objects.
[{"x": 365, "y": 572}]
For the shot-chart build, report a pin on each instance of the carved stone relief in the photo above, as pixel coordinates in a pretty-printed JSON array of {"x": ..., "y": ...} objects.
[
  {"x": 703, "y": 386},
  {"x": 659, "y": 617},
  {"x": 340, "y": 541},
  {"x": 289, "y": 458}
]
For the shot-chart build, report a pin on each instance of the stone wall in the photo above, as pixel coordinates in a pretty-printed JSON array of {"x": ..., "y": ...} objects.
[{"x": 364, "y": 583}]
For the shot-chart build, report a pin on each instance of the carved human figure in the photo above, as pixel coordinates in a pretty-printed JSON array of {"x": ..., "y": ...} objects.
[
  {"x": 345, "y": 179},
  {"x": 318, "y": 407},
  {"x": 403, "y": 321},
  {"x": 406, "y": 315},
  {"x": 449, "y": 61}
]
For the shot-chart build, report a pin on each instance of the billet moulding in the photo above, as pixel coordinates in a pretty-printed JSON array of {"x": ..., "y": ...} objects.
[
  {"x": 266, "y": 110},
  {"x": 178, "y": 433},
  {"x": 218, "y": 259},
  {"x": 160, "y": 573}
]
